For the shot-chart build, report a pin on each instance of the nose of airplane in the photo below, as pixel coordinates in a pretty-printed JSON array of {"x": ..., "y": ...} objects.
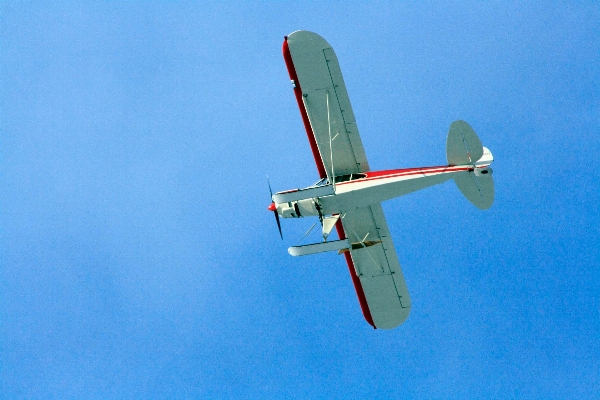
[{"x": 272, "y": 207}]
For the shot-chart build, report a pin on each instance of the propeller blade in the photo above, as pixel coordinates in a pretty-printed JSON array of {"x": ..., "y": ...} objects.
[
  {"x": 278, "y": 224},
  {"x": 274, "y": 209},
  {"x": 270, "y": 190}
]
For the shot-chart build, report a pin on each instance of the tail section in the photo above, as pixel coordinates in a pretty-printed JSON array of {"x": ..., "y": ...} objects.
[{"x": 463, "y": 147}]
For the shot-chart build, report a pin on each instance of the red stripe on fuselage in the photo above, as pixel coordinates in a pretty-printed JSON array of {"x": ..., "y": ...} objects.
[
  {"x": 372, "y": 174},
  {"x": 287, "y": 56},
  {"x": 392, "y": 173}
]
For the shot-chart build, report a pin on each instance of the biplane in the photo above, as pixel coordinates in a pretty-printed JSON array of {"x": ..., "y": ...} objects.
[{"x": 348, "y": 194}]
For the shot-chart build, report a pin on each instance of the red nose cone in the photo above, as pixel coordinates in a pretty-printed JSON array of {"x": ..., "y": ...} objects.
[{"x": 272, "y": 207}]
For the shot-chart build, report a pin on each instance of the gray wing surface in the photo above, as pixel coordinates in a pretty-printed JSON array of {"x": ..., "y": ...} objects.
[
  {"x": 377, "y": 266},
  {"x": 327, "y": 104}
]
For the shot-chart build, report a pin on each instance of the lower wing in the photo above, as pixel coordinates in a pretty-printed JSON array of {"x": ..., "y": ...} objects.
[{"x": 374, "y": 267}]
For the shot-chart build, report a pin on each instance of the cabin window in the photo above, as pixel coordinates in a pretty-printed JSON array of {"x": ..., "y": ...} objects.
[
  {"x": 343, "y": 178},
  {"x": 349, "y": 177}
]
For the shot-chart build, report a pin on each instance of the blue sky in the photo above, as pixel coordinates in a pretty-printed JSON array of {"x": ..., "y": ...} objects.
[{"x": 137, "y": 257}]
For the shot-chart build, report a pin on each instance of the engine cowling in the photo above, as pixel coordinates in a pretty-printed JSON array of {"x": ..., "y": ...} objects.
[{"x": 298, "y": 209}]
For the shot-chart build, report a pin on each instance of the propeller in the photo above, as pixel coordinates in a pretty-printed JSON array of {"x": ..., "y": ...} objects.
[{"x": 273, "y": 208}]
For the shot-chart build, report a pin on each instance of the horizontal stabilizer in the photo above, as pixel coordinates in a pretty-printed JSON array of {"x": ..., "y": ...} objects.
[
  {"x": 477, "y": 186},
  {"x": 462, "y": 145},
  {"x": 315, "y": 248}
]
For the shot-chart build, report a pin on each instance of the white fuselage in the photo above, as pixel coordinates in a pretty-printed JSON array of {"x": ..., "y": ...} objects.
[{"x": 372, "y": 188}]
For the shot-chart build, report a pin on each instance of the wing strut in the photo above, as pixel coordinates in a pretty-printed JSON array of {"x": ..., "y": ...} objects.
[
  {"x": 306, "y": 234},
  {"x": 362, "y": 244},
  {"x": 330, "y": 143}
]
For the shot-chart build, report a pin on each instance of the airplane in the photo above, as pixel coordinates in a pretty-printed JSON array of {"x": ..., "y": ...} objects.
[{"x": 348, "y": 195}]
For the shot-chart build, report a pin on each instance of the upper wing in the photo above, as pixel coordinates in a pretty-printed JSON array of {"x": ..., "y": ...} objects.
[
  {"x": 324, "y": 104},
  {"x": 338, "y": 150},
  {"x": 375, "y": 269}
]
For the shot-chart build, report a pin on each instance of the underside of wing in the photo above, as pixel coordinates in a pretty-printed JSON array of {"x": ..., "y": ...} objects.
[
  {"x": 324, "y": 104},
  {"x": 375, "y": 268}
]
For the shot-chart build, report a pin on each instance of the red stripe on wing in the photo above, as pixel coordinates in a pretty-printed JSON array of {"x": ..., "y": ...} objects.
[
  {"x": 355, "y": 279},
  {"x": 287, "y": 56}
]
